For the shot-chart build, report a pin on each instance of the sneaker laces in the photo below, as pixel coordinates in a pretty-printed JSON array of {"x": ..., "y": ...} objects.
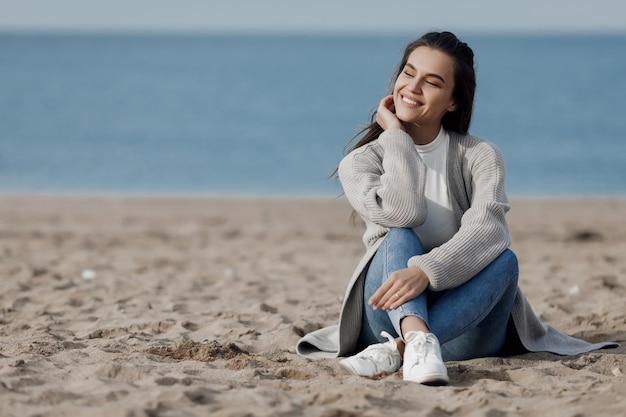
[
  {"x": 391, "y": 340},
  {"x": 419, "y": 344},
  {"x": 422, "y": 360},
  {"x": 375, "y": 359},
  {"x": 380, "y": 353}
]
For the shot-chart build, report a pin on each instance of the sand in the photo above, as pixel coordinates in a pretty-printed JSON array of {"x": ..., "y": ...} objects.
[{"x": 192, "y": 307}]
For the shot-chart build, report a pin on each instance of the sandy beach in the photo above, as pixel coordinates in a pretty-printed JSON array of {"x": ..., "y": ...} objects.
[{"x": 192, "y": 307}]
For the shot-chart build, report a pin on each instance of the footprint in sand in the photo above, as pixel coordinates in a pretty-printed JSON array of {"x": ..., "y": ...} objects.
[
  {"x": 169, "y": 381},
  {"x": 204, "y": 352},
  {"x": 201, "y": 396},
  {"x": 120, "y": 373}
]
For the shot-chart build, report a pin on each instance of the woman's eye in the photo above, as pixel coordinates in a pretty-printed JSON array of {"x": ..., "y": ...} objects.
[{"x": 408, "y": 74}]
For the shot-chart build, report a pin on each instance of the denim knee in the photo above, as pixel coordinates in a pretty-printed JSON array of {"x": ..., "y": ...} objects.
[
  {"x": 510, "y": 263},
  {"x": 405, "y": 237}
]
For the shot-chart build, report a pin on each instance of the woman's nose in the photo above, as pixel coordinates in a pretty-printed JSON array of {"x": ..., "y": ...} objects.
[{"x": 416, "y": 85}]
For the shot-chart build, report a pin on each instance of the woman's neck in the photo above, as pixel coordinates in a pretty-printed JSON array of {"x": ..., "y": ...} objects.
[{"x": 422, "y": 135}]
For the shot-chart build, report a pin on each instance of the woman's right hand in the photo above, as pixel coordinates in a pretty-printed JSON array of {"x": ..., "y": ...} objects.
[{"x": 385, "y": 115}]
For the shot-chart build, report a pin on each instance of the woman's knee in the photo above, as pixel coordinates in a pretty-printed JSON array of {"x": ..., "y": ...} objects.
[
  {"x": 508, "y": 261},
  {"x": 404, "y": 237}
]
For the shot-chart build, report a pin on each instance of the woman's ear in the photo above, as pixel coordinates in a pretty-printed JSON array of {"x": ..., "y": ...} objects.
[{"x": 452, "y": 107}]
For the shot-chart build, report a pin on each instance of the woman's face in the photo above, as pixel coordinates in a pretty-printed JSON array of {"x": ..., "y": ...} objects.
[{"x": 422, "y": 93}]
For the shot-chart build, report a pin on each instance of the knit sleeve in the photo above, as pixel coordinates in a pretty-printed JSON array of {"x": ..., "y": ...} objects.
[
  {"x": 483, "y": 234},
  {"x": 384, "y": 181}
]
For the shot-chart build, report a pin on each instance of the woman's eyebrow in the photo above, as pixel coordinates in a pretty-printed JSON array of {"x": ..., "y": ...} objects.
[{"x": 439, "y": 77}]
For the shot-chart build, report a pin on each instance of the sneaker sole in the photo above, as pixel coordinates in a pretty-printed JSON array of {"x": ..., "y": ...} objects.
[
  {"x": 428, "y": 375},
  {"x": 348, "y": 369},
  {"x": 430, "y": 379},
  {"x": 436, "y": 382}
]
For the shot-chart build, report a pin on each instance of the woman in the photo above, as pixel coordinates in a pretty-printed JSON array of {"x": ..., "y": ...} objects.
[{"x": 438, "y": 281}]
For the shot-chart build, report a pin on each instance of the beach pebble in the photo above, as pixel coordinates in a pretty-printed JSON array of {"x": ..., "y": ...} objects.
[
  {"x": 575, "y": 290},
  {"x": 88, "y": 274},
  {"x": 616, "y": 371}
]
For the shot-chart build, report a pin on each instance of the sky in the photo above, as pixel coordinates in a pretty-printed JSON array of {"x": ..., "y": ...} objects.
[{"x": 314, "y": 16}]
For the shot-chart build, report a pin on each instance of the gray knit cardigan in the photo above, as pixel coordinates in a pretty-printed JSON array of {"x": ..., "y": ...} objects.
[{"x": 384, "y": 182}]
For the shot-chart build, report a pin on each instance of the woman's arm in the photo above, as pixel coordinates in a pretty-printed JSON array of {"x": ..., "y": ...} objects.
[{"x": 384, "y": 180}]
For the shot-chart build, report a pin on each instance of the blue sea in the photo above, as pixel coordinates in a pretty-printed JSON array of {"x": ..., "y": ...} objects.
[{"x": 271, "y": 115}]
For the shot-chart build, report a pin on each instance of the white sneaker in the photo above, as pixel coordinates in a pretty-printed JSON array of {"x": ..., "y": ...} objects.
[
  {"x": 375, "y": 359},
  {"x": 422, "y": 359}
]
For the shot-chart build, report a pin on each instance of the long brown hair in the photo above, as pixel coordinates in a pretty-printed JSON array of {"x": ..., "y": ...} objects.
[{"x": 464, "y": 85}]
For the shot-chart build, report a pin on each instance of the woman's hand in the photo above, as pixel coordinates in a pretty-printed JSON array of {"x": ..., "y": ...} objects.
[
  {"x": 385, "y": 115},
  {"x": 403, "y": 285}
]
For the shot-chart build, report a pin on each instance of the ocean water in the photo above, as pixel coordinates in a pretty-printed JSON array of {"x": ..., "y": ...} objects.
[{"x": 210, "y": 114}]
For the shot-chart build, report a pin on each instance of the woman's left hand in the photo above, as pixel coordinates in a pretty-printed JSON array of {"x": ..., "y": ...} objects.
[{"x": 401, "y": 286}]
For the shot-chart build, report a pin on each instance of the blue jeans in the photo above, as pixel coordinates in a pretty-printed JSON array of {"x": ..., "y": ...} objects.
[{"x": 470, "y": 320}]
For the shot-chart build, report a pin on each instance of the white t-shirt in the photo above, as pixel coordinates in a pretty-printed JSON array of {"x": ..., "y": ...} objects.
[{"x": 440, "y": 224}]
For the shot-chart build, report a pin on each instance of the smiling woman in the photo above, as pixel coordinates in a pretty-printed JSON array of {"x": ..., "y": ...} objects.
[
  {"x": 456, "y": 77},
  {"x": 423, "y": 93},
  {"x": 438, "y": 280}
]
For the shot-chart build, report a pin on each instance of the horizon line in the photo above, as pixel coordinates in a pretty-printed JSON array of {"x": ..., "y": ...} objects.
[{"x": 305, "y": 32}]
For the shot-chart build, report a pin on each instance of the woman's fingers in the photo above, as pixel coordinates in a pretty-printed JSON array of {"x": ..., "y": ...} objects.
[
  {"x": 392, "y": 298},
  {"x": 390, "y": 295},
  {"x": 393, "y": 301},
  {"x": 402, "y": 286},
  {"x": 385, "y": 115},
  {"x": 396, "y": 296},
  {"x": 379, "y": 298}
]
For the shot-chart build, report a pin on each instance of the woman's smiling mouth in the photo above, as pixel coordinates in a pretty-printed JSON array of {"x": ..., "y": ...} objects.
[{"x": 410, "y": 102}]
